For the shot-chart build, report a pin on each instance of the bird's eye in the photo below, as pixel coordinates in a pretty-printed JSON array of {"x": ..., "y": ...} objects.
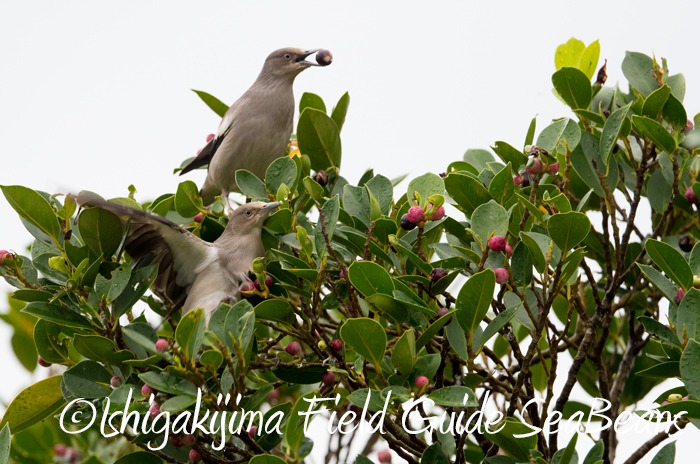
[
  {"x": 287, "y": 56},
  {"x": 248, "y": 213}
]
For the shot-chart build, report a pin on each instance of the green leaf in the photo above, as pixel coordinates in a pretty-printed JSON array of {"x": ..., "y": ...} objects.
[
  {"x": 366, "y": 337},
  {"x": 661, "y": 282},
  {"x": 457, "y": 397},
  {"x": 666, "y": 455},
  {"x": 688, "y": 316},
  {"x": 568, "y": 54},
  {"x": 433, "y": 454},
  {"x": 359, "y": 398},
  {"x": 58, "y": 314},
  {"x": 690, "y": 368},
  {"x": 467, "y": 192},
  {"x": 188, "y": 203},
  {"x": 568, "y": 229},
  {"x": 33, "y": 208},
  {"x": 331, "y": 211},
  {"x": 478, "y": 158},
  {"x": 474, "y": 300},
  {"x": 139, "y": 282},
  {"x": 5, "y": 439},
  {"x": 319, "y": 138},
  {"x": 521, "y": 265},
  {"x": 655, "y": 102},
  {"x": 531, "y": 131},
  {"x": 403, "y": 356},
  {"x": 671, "y": 262},
  {"x": 88, "y": 379},
  {"x": 341, "y": 110},
  {"x": 383, "y": 191},
  {"x": 282, "y": 171},
  {"x": 497, "y": 323},
  {"x": 488, "y": 220},
  {"x": 101, "y": 230},
  {"x": 356, "y": 203},
  {"x": 251, "y": 186},
  {"x": 595, "y": 454},
  {"x": 190, "y": 332},
  {"x": 573, "y": 86},
  {"x": 311, "y": 100},
  {"x": 655, "y": 132},
  {"x": 611, "y": 132},
  {"x": 637, "y": 68},
  {"x": 516, "y": 447},
  {"x": 113, "y": 287},
  {"x": 674, "y": 113},
  {"x": 389, "y": 306},
  {"x": 659, "y": 191},
  {"x": 502, "y": 185},
  {"x": 426, "y": 185},
  {"x": 510, "y": 154},
  {"x": 275, "y": 310},
  {"x": 537, "y": 244},
  {"x": 48, "y": 345},
  {"x": 294, "y": 432},
  {"x": 266, "y": 459},
  {"x": 457, "y": 338},
  {"x": 168, "y": 383},
  {"x": 551, "y": 135},
  {"x": 139, "y": 457},
  {"x": 589, "y": 60},
  {"x": 370, "y": 278},
  {"x": 100, "y": 349},
  {"x": 33, "y": 404},
  {"x": 212, "y": 102},
  {"x": 567, "y": 455}
]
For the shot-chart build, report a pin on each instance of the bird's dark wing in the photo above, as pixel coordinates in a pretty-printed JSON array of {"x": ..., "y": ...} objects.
[
  {"x": 180, "y": 255},
  {"x": 205, "y": 156}
]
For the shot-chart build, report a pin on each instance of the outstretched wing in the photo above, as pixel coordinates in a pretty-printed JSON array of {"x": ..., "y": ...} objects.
[
  {"x": 207, "y": 154},
  {"x": 180, "y": 255}
]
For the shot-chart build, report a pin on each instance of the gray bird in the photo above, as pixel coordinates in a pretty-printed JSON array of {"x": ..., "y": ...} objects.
[
  {"x": 194, "y": 273},
  {"x": 256, "y": 129}
]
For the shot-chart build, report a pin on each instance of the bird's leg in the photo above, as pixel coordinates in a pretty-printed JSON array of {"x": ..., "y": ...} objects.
[{"x": 224, "y": 195}]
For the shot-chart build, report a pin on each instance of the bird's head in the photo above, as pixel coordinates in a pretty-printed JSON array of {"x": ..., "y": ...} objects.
[
  {"x": 249, "y": 218},
  {"x": 288, "y": 62}
]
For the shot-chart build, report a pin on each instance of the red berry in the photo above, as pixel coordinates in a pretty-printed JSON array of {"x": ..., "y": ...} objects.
[
  {"x": 441, "y": 312},
  {"x": 59, "y": 449},
  {"x": 252, "y": 431},
  {"x": 176, "y": 440},
  {"x": 438, "y": 214},
  {"x": 421, "y": 382},
  {"x": 274, "y": 395},
  {"x": 199, "y": 218},
  {"x": 406, "y": 224},
  {"x": 293, "y": 348},
  {"x": 680, "y": 293},
  {"x": 147, "y": 390},
  {"x": 517, "y": 180},
  {"x": 247, "y": 288},
  {"x": 116, "y": 381},
  {"x": 536, "y": 167},
  {"x": 497, "y": 243},
  {"x": 328, "y": 378},
  {"x": 4, "y": 254},
  {"x": 324, "y": 57},
  {"x": 509, "y": 250},
  {"x": 188, "y": 440},
  {"x": 154, "y": 411},
  {"x": 437, "y": 274},
  {"x": 553, "y": 169},
  {"x": 210, "y": 137},
  {"x": 501, "y": 275},
  {"x": 416, "y": 214},
  {"x": 337, "y": 345},
  {"x": 690, "y": 196},
  {"x": 384, "y": 456},
  {"x": 162, "y": 345},
  {"x": 43, "y": 363},
  {"x": 194, "y": 456}
]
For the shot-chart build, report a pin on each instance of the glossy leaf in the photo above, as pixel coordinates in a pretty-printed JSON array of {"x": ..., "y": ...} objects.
[
  {"x": 33, "y": 404},
  {"x": 671, "y": 262},
  {"x": 190, "y": 332},
  {"x": 33, "y": 208},
  {"x": 370, "y": 278},
  {"x": 366, "y": 337},
  {"x": 573, "y": 86},
  {"x": 101, "y": 230},
  {"x": 655, "y": 132},
  {"x": 611, "y": 132},
  {"x": 319, "y": 138},
  {"x": 474, "y": 300},
  {"x": 568, "y": 229},
  {"x": 212, "y": 102}
]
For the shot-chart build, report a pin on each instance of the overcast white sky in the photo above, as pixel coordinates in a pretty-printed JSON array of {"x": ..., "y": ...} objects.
[{"x": 95, "y": 95}]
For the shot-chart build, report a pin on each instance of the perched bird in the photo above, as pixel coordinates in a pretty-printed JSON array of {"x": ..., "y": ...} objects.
[
  {"x": 194, "y": 273},
  {"x": 256, "y": 129}
]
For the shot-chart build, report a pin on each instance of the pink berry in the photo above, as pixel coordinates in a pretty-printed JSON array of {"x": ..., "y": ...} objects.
[
  {"x": 337, "y": 345},
  {"x": 688, "y": 126},
  {"x": 293, "y": 348},
  {"x": 553, "y": 169},
  {"x": 416, "y": 214},
  {"x": 59, "y": 449},
  {"x": 441, "y": 312},
  {"x": 43, "y": 363},
  {"x": 116, "y": 381},
  {"x": 438, "y": 214},
  {"x": 199, "y": 218},
  {"x": 685, "y": 398},
  {"x": 690, "y": 196},
  {"x": 324, "y": 57},
  {"x": 210, "y": 137},
  {"x": 176, "y": 440},
  {"x": 188, "y": 440},
  {"x": 251, "y": 431},
  {"x": 147, "y": 390},
  {"x": 247, "y": 288},
  {"x": 154, "y": 411},
  {"x": 421, "y": 382},
  {"x": 680, "y": 293},
  {"x": 274, "y": 395},
  {"x": 328, "y": 378},
  {"x": 517, "y": 180},
  {"x": 501, "y": 275},
  {"x": 4, "y": 254},
  {"x": 497, "y": 243},
  {"x": 536, "y": 167},
  {"x": 665, "y": 403},
  {"x": 509, "y": 250},
  {"x": 162, "y": 345},
  {"x": 194, "y": 456},
  {"x": 199, "y": 151},
  {"x": 384, "y": 456}
]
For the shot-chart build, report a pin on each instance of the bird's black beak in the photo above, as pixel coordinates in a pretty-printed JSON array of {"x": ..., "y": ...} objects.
[
  {"x": 301, "y": 59},
  {"x": 269, "y": 208}
]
